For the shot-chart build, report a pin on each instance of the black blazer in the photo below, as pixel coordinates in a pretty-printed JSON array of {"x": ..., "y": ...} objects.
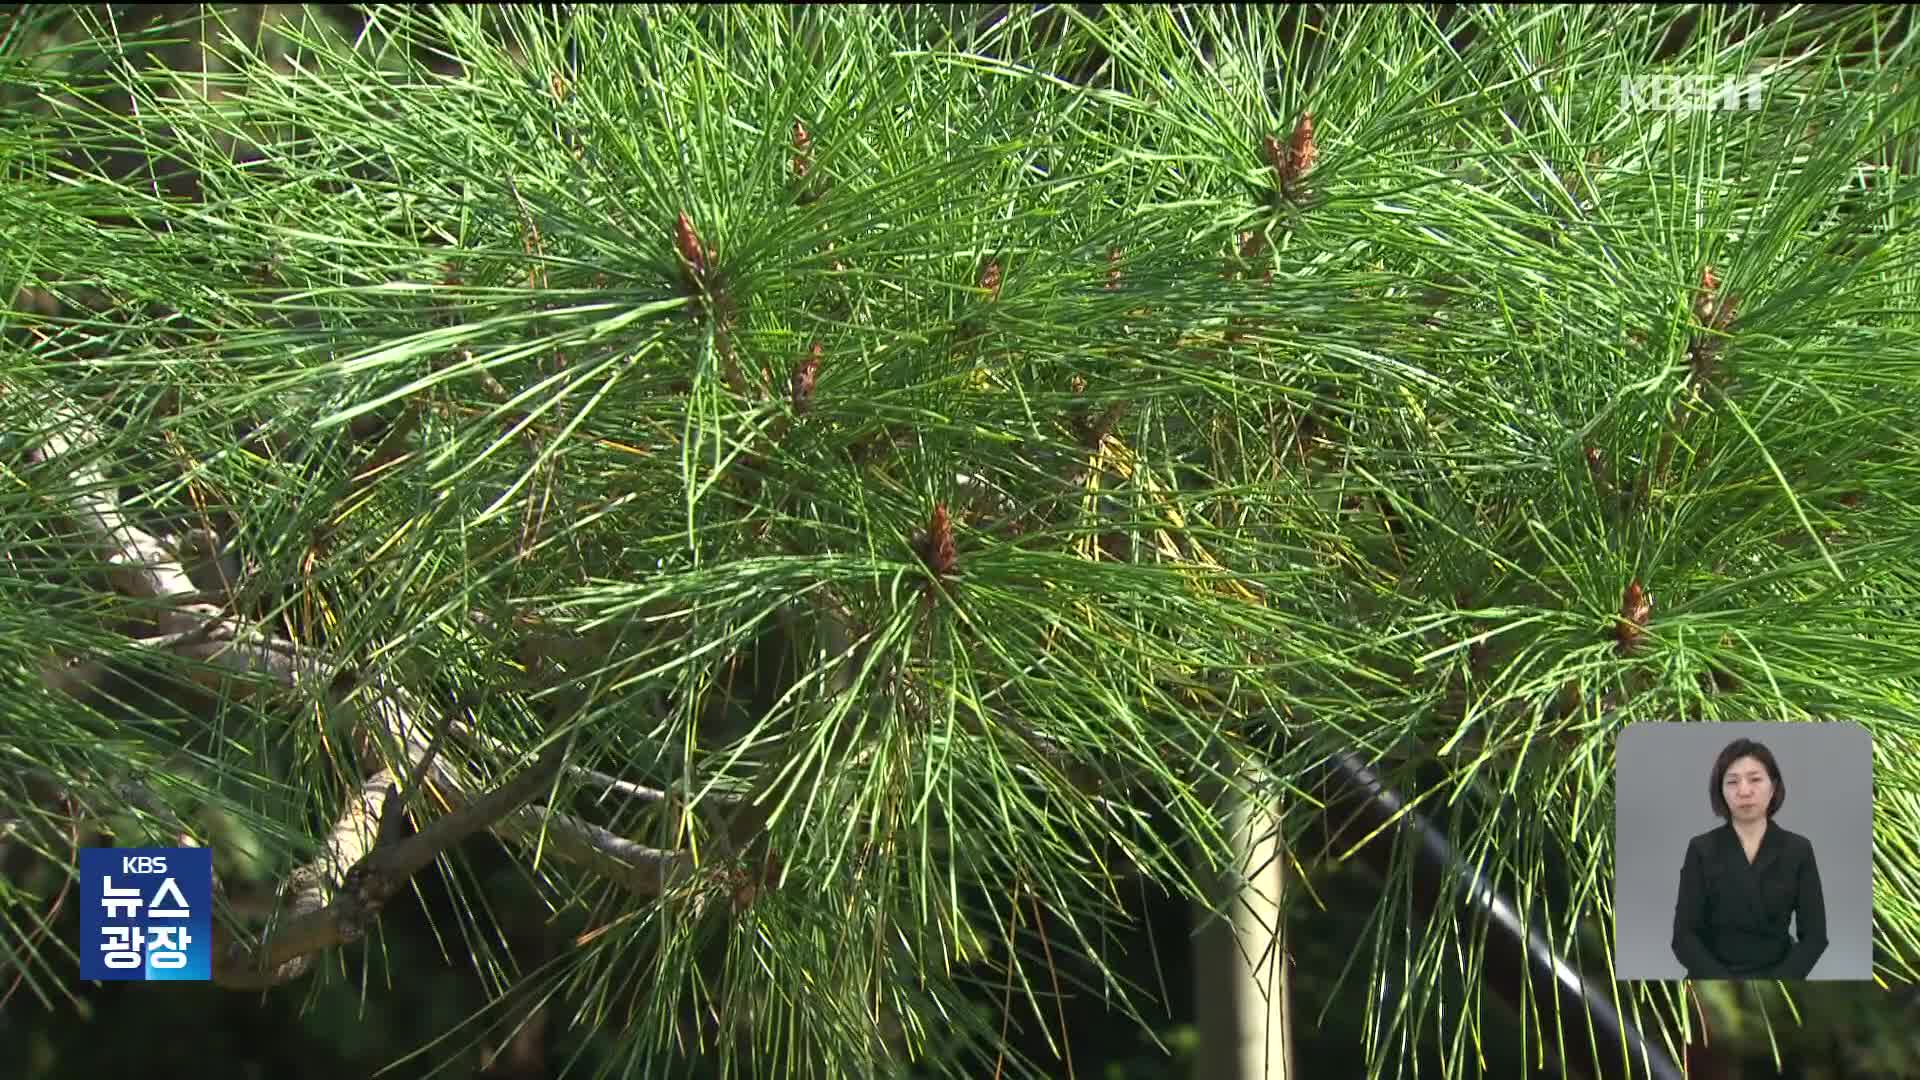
[{"x": 1730, "y": 921}]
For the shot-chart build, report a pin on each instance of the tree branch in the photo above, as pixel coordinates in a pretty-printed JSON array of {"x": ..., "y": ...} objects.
[
  {"x": 144, "y": 567},
  {"x": 324, "y": 916}
]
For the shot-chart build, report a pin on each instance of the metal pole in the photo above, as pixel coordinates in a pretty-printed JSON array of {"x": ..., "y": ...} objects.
[{"x": 1519, "y": 962}]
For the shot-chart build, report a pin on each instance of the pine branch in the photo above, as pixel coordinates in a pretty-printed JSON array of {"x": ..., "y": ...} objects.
[
  {"x": 321, "y": 914},
  {"x": 146, "y": 568}
]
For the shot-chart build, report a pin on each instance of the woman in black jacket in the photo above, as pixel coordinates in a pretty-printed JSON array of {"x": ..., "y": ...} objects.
[{"x": 1742, "y": 881}]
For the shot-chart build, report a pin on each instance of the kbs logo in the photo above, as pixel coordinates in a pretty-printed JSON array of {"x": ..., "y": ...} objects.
[
  {"x": 1691, "y": 93},
  {"x": 146, "y": 914}
]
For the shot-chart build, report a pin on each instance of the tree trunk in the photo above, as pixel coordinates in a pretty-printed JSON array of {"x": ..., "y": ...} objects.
[{"x": 1241, "y": 992}]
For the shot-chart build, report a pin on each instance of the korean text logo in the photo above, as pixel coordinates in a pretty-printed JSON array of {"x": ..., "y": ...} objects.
[{"x": 146, "y": 914}]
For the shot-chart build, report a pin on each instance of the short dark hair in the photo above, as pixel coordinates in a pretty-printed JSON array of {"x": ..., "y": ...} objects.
[{"x": 1736, "y": 750}]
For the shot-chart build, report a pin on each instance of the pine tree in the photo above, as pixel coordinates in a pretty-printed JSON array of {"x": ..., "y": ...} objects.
[{"x": 826, "y": 487}]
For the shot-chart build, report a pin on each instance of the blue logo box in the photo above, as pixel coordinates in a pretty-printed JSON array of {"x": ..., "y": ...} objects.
[{"x": 146, "y": 914}]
